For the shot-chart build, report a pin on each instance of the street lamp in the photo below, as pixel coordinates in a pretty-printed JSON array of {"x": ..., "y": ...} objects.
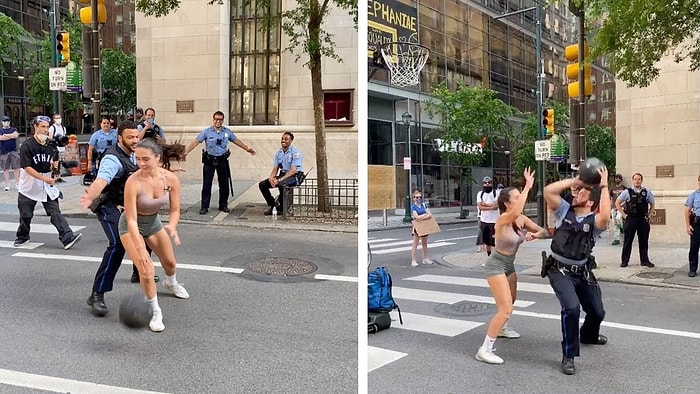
[{"x": 406, "y": 118}]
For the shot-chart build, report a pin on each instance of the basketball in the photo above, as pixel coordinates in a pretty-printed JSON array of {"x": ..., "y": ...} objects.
[
  {"x": 588, "y": 171},
  {"x": 134, "y": 312}
]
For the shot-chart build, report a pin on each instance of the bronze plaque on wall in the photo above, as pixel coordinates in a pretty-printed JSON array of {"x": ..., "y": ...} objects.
[
  {"x": 664, "y": 171},
  {"x": 658, "y": 216},
  {"x": 186, "y": 106}
]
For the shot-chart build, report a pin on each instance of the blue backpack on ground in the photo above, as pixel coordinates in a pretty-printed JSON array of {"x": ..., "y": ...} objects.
[{"x": 379, "y": 292}]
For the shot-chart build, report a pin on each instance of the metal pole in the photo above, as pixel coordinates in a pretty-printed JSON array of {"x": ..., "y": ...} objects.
[
  {"x": 581, "y": 137},
  {"x": 54, "y": 55},
  {"x": 59, "y": 94},
  {"x": 95, "y": 61},
  {"x": 407, "y": 216},
  {"x": 541, "y": 211}
]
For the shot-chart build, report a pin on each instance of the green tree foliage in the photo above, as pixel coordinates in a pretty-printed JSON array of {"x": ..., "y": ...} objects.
[
  {"x": 118, "y": 74},
  {"x": 12, "y": 40},
  {"x": 600, "y": 143},
  {"x": 304, "y": 26},
  {"x": 465, "y": 117},
  {"x": 635, "y": 34},
  {"x": 38, "y": 86}
]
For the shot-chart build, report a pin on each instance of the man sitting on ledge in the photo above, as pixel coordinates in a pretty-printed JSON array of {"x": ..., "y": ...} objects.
[{"x": 286, "y": 167}]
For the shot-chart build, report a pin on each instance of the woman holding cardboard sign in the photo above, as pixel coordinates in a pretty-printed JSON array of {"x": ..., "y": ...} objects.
[
  {"x": 419, "y": 212},
  {"x": 511, "y": 229}
]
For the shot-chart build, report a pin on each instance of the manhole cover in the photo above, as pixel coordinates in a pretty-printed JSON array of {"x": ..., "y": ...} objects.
[
  {"x": 465, "y": 308},
  {"x": 282, "y": 266},
  {"x": 654, "y": 275}
]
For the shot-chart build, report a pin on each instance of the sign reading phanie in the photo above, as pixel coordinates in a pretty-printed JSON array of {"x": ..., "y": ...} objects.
[{"x": 389, "y": 21}]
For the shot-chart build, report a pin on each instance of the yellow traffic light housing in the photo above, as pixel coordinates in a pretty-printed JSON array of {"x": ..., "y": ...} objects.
[
  {"x": 86, "y": 12},
  {"x": 63, "y": 47},
  {"x": 572, "y": 71},
  {"x": 548, "y": 121}
]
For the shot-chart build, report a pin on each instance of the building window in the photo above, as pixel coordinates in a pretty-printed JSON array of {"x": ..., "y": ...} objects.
[
  {"x": 255, "y": 65},
  {"x": 337, "y": 107},
  {"x": 605, "y": 114}
]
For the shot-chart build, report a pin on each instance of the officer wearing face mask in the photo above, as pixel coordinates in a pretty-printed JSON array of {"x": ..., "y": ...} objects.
[
  {"x": 149, "y": 129},
  {"x": 9, "y": 157}
]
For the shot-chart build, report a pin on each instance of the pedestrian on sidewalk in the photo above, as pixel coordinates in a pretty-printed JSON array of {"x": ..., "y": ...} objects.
[
  {"x": 615, "y": 215},
  {"x": 692, "y": 224},
  {"x": 419, "y": 211},
  {"x": 215, "y": 158},
  {"x": 145, "y": 192},
  {"x": 36, "y": 184},
  {"x": 9, "y": 156},
  {"x": 568, "y": 267},
  {"x": 486, "y": 201},
  {"x": 638, "y": 204},
  {"x": 511, "y": 228}
]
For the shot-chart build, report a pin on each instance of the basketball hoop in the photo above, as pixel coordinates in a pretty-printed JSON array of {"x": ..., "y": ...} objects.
[{"x": 405, "y": 60}]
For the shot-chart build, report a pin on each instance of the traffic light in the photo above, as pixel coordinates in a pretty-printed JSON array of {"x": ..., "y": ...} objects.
[
  {"x": 63, "y": 47},
  {"x": 86, "y": 12},
  {"x": 572, "y": 70},
  {"x": 548, "y": 121}
]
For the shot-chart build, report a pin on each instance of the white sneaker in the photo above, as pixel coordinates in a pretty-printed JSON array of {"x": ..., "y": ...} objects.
[
  {"x": 427, "y": 262},
  {"x": 414, "y": 263},
  {"x": 156, "y": 324},
  {"x": 7, "y": 188},
  {"x": 509, "y": 333},
  {"x": 488, "y": 356},
  {"x": 177, "y": 289}
]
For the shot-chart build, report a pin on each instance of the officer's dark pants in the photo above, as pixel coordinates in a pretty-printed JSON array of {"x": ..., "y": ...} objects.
[
  {"x": 694, "y": 247},
  {"x": 573, "y": 290},
  {"x": 222, "y": 174},
  {"x": 26, "y": 212},
  {"x": 108, "y": 215},
  {"x": 632, "y": 226},
  {"x": 265, "y": 187}
]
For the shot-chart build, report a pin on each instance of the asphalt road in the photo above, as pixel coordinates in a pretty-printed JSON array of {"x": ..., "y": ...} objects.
[
  {"x": 653, "y": 339},
  {"x": 239, "y": 332}
]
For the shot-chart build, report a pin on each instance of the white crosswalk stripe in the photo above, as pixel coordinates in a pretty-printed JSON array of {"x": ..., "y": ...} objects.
[
  {"x": 395, "y": 245},
  {"x": 437, "y": 325},
  {"x": 36, "y": 228}
]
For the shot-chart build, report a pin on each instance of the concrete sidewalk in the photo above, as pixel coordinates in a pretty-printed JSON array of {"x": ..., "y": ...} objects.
[
  {"x": 242, "y": 213},
  {"x": 671, "y": 260}
]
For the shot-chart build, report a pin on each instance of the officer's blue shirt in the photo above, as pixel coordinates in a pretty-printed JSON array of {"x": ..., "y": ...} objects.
[
  {"x": 216, "y": 142},
  {"x": 625, "y": 195},
  {"x": 285, "y": 160},
  {"x": 693, "y": 202},
  {"x": 101, "y": 140},
  {"x": 560, "y": 214},
  {"x": 160, "y": 131},
  {"x": 111, "y": 167}
]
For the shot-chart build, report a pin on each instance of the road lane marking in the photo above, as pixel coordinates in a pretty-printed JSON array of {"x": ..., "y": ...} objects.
[
  {"x": 36, "y": 228},
  {"x": 60, "y": 385},
  {"x": 630, "y": 327},
  {"x": 435, "y": 325},
  {"x": 442, "y": 297},
  {"x": 374, "y": 241},
  {"x": 407, "y": 248},
  {"x": 455, "y": 280},
  {"x": 197, "y": 267},
  {"x": 378, "y": 357},
  {"x": 11, "y": 244}
]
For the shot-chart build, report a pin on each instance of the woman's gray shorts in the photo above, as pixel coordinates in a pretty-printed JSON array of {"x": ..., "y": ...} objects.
[
  {"x": 498, "y": 264},
  {"x": 148, "y": 224}
]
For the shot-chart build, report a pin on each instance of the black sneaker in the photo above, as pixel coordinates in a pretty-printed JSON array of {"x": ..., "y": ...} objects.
[
  {"x": 692, "y": 274},
  {"x": 267, "y": 213},
  {"x": 135, "y": 278},
  {"x": 224, "y": 209},
  {"x": 97, "y": 302},
  {"x": 623, "y": 265},
  {"x": 647, "y": 264},
  {"x": 567, "y": 366},
  {"x": 20, "y": 242},
  {"x": 72, "y": 242},
  {"x": 203, "y": 211},
  {"x": 615, "y": 242}
]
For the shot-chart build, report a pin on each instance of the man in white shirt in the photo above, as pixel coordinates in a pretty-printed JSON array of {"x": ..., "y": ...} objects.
[
  {"x": 486, "y": 202},
  {"x": 57, "y": 131}
]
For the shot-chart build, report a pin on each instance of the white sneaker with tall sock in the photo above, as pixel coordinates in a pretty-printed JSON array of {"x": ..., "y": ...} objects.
[
  {"x": 488, "y": 356},
  {"x": 507, "y": 332},
  {"x": 177, "y": 289},
  {"x": 156, "y": 324}
]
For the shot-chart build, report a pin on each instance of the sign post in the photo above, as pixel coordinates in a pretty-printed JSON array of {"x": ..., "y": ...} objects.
[
  {"x": 542, "y": 150},
  {"x": 57, "y": 78}
]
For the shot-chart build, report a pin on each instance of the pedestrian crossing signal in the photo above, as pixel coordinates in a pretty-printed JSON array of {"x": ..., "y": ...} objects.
[{"x": 63, "y": 47}]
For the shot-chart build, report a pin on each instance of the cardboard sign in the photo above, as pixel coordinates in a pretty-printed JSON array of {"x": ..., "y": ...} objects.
[{"x": 426, "y": 227}]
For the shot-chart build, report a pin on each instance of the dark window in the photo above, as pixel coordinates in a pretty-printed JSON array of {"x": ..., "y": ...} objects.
[
  {"x": 337, "y": 107},
  {"x": 380, "y": 144}
]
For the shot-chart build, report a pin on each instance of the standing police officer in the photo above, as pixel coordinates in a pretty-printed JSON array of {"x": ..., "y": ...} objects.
[
  {"x": 215, "y": 158},
  {"x": 568, "y": 267},
  {"x": 639, "y": 202},
  {"x": 286, "y": 170},
  {"x": 692, "y": 225},
  {"x": 100, "y": 141}
]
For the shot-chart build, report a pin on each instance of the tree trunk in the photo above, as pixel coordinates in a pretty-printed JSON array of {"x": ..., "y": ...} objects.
[{"x": 315, "y": 20}]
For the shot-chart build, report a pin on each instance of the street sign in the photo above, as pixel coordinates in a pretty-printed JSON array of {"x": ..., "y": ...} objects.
[
  {"x": 557, "y": 149},
  {"x": 74, "y": 77},
  {"x": 542, "y": 150},
  {"x": 406, "y": 163},
  {"x": 57, "y": 78}
]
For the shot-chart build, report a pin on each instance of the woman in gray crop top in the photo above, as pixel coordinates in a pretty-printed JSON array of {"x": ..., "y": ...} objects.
[
  {"x": 512, "y": 228},
  {"x": 146, "y": 191}
]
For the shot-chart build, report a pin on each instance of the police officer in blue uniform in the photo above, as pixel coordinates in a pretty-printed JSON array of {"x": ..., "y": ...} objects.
[
  {"x": 105, "y": 197},
  {"x": 692, "y": 225},
  {"x": 286, "y": 171},
  {"x": 568, "y": 266},
  {"x": 100, "y": 141},
  {"x": 148, "y": 127},
  {"x": 635, "y": 204},
  {"x": 215, "y": 158}
]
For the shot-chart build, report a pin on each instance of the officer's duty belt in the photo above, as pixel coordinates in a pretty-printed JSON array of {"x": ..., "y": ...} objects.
[{"x": 574, "y": 269}]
